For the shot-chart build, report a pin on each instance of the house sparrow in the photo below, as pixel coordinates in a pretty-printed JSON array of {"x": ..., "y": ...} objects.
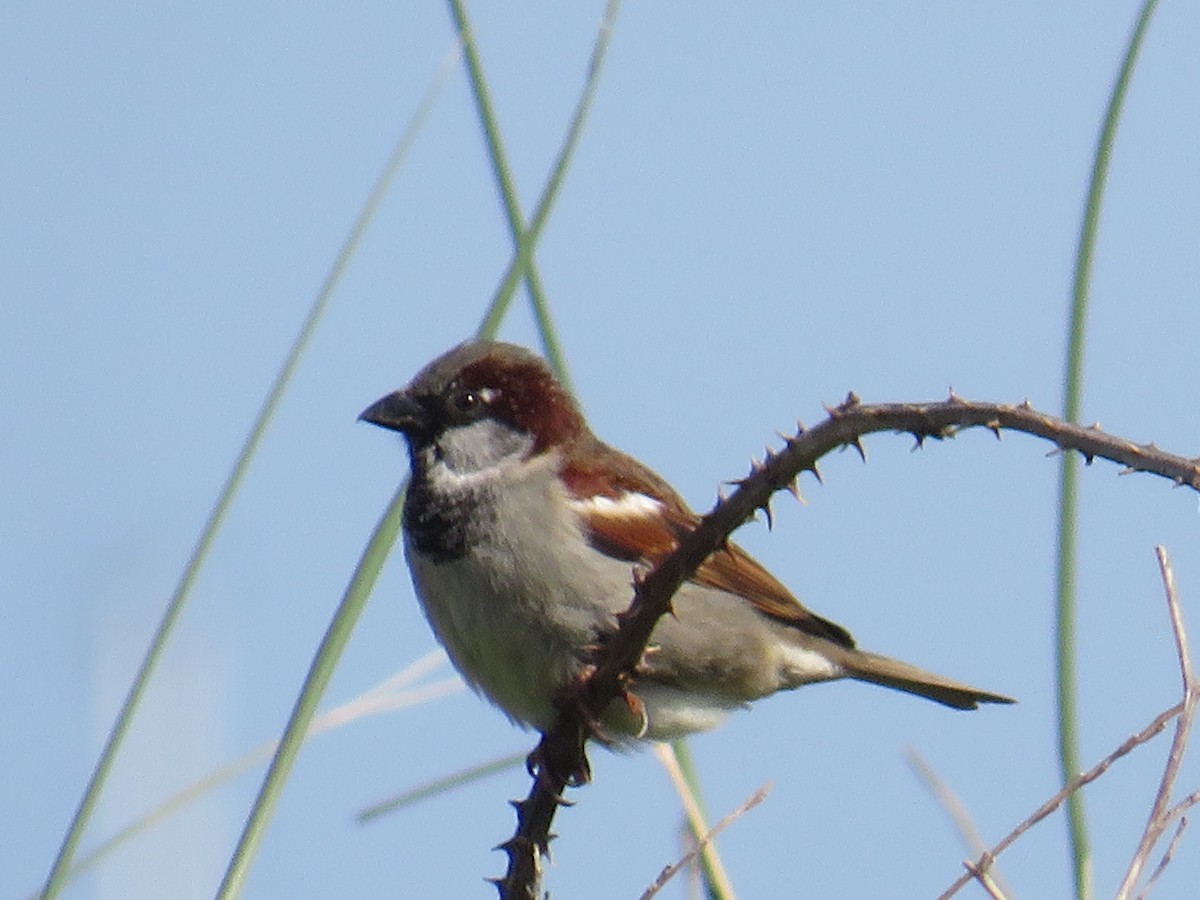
[{"x": 522, "y": 530}]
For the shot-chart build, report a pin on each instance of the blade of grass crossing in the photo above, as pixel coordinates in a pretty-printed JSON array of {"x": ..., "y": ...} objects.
[
  {"x": 327, "y": 656},
  {"x": 522, "y": 255},
  {"x": 677, "y": 760},
  {"x": 495, "y": 146},
  {"x": 364, "y": 576},
  {"x": 440, "y": 786},
  {"x": 1065, "y": 616}
]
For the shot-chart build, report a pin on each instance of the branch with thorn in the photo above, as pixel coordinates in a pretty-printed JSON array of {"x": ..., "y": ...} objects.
[{"x": 560, "y": 758}]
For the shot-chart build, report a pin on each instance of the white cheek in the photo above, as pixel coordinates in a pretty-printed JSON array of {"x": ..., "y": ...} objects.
[{"x": 474, "y": 449}]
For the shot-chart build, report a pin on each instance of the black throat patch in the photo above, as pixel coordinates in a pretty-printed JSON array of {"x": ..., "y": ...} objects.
[{"x": 436, "y": 523}]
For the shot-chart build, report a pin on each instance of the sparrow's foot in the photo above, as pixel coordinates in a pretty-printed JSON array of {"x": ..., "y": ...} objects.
[{"x": 561, "y": 752}]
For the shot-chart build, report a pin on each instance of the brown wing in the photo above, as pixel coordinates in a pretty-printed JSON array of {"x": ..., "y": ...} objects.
[{"x": 635, "y": 516}]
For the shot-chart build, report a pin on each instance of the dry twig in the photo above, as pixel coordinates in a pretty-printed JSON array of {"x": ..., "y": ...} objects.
[
  {"x": 1160, "y": 814},
  {"x": 986, "y": 881},
  {"x": 669, "y": 872},
  {"x": 1165, "y": 861},
  {"x": 1160, "y": 817},
  {"x": 954, "y": 808}
]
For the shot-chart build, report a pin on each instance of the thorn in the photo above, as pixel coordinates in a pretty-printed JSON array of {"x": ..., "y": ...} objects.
[
  {"x": 1025, "y": 404},
  {"x": 918, "y": 439},
  {"x": 800, "y": 429},
  {"x": 816, "y": 473},
  {"x": 766, "y": 508},
  {"x": 793, "y": 488},
  {"x": 857, "y": 445},
  {"x": 994, "y": 427},
  {"x": 850, "y": 402}
]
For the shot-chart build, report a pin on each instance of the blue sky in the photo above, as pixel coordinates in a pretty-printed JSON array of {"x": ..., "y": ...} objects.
[{"x": 769, "y": 207}]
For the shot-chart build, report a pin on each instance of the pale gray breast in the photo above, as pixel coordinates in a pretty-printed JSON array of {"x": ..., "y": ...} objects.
[{"x": 524, "y": 595}]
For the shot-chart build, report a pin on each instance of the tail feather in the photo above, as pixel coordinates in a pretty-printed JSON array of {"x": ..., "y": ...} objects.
[{"x": 903, "y": 677}]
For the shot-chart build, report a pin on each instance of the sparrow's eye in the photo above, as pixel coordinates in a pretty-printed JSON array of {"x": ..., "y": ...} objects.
[{"x": 471, "y": 402}]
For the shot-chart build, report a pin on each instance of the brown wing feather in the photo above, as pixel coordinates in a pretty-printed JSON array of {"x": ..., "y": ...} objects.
[{"x": 639, "y": 532}]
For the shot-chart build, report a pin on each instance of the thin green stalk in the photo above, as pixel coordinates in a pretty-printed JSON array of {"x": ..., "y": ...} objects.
[
  {"x": 495, "y": 145},
  {"x": 1068, "y": 722},
  {"x": 323, "y": 664},
  {"x": 440, "y": 786},
  {"x": 70, "y": 844},
  {"x": 526, "y": 239},
  {"x": 365, "y": 574},
  {"x": 386, "y": 697},
  {"x": 716, "y": 882}
]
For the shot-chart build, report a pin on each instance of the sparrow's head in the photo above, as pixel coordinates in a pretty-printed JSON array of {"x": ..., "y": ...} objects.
[{"x": 478, "y": 404}]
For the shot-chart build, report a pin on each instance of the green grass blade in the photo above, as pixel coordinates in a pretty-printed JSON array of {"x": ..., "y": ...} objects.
[
  {"x": 521, "y": 261},
  {"x": 439, "y": 786},
  {"x": 66, "y": 853},
  {"x": 365, "y": 574},
  {"x": 62, "y": 862},
  {"x": 713, "y": 877},
  {"x": 388, "y": 697},
  {"x": 384, "y": 536},
  {"x": 327, "y": 656},
  {"x": 501, "y": 170},
  {"x": 1068, "y": 722}
]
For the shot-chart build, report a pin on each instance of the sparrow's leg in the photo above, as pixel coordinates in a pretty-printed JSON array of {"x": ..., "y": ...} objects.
[{"x": 565, "y": 758}]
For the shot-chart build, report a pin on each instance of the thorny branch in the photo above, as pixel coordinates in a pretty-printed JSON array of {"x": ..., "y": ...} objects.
[{"x": 560, "y": 758}]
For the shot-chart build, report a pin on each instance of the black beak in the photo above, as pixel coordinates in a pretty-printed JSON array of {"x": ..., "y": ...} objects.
[{"x": 398, "y": 411}]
